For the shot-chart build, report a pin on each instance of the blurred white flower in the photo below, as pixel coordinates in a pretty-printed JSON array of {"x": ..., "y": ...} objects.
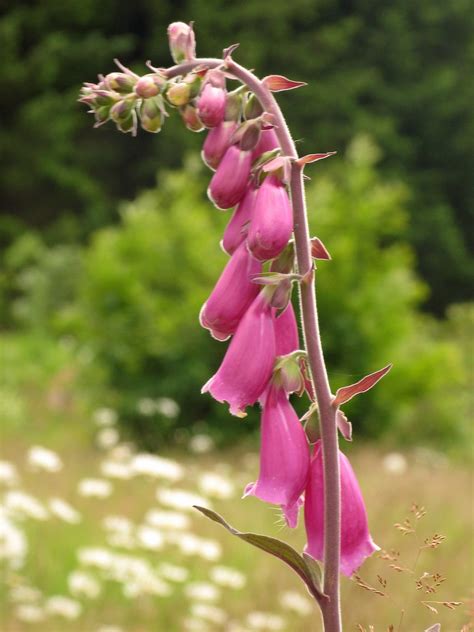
[
  {"x": 167, "y": 407},
  {"x": 95, "y": 488},
  {"x": 119, "y": 524},
  {"x": 105, "y": 417},
  {"x": 195, "y": 625},
  {"x": 150, "y": 538},
  {"x": 40, "y": 458},
  {"x": 216, "y": 485},
  {"x": 63, "y": 607},
  {"x": 30, "y": 613},
  {"x": 265, "y": 621},
  {"x": 23, "y": 505},
  {"x": 292, "y": 600},
  {"x": 173, "y": 573},
  {"x": 97, "y": 557},
  {"x": 209, "y": 613},
  {"x": 191, "y": 544},
  {"x": 202, "y": 591},
  {"x": 64, "y": 511},
  {"x": 13, "y": 543},
  {"x": 109, "y": 628},
  {"x": 201, "y": 443},
  {"x": 146, "y": 406},
  {"x": 107, "y": 438},
  {"x": 122, "y": 452},
  {"x": 25, "y": 594},
  {"x": 395, "y": 463},
  {"x": 180, "y": 499},
  {"x": 83, "y": 584},
  {"x": 115, "y": 469},
  {"x": 156, "y": 466},
  {"x": 8, "y": 474},
  {"x": 121, "y": 540},
  {"x": 226, "y": 576},
  {"x": 163, "y": 519}
]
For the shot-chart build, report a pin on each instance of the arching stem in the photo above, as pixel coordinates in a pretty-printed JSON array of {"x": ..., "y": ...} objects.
[{"x": 329, "y": 439}]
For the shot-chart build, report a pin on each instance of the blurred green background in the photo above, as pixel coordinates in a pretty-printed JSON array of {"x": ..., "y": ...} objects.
[{"x": 109, "y": 245}]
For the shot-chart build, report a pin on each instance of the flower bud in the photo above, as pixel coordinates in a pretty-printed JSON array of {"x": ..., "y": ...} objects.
[
  {"x": 181, "y": 41},
  {"x": 217, "y": 142},
  {"x": 253, "y": 107},
  {"x": 151, "y": 114},
  {"x": 247, "y": 366},
  {"x": 284, "y": 456},
  {"x": 268, "y": 141},
  {"x": 120, "y": 82},
  {"x": 121, "y": 110},
  {"x": 236, "y": 230},
  {"x": 230, "y": 180},
  {"x": 102, "y": 114},
  {"x": 211, "y": 105},
  {"x": 272, "y": 220},
  {"x": 356, "y": 542},
  {"x": 190, "y": 118},
  {"x": 149, "y": 85},
  {"x": 179, "y": 93},
  {"x": 232, "y": 295}
]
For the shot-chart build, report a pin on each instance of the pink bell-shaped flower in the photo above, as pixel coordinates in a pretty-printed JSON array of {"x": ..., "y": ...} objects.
[
  {"x": 248, "y": 364},
  {"x": 286, "y": 332},
  {"x": 211, "y": 105},
  {"x": 232, "y": 295},
  {"x": 217, "y": 142},
  {"x": 272, "y": 220},
  {"x": 284, "y": 455},
  {"x": 230, "y": 180},
  {"x": 236, "y": 230},
  {"x": 356, "y": 542},
  {"x": 268, "y": 140}
]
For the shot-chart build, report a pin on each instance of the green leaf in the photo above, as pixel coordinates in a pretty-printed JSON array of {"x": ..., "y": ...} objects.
[{"x": 279, "y": 549}]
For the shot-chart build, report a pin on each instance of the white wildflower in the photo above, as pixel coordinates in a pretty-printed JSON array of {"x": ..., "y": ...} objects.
[
  {"x": 156, "y": 467},
  {"x": 265, "y": 621},
  {"x": 173, "y": 573},
  {"x": 201, "y": 443},
  {"x": 95, "y": 488},
  {"x": 23, "y": 505},
  {"x": 40, "y": 458},
  {"x": 115, "y": 469},
  {"x": 13, "y": 543},
  {"x": 64, "y": 511},
  {"x": 167, "y": 519},
  {"x": 150, "y": 538},
  {"x": 226, "y": 576},
  {"x": 83, "y": 584},
  {"x": 63, "y": 607},
  {"x": 216, "y": 485},
  {"x": 8, "y": 474},
  {"x": 96, "y": 557},
  {"x": 105, "y": 417},
  {"x": 180, "y": 499},
  {"x": 24, "y": 594},
  {"x": 395, "y": 463},
  {"x": 202, "y": 591},
  {"x": 30, "y": 613},
  {"x": 167, "y": 407},
  {"x": 209, "y": 613},
  {"x": 107, "y": 438},
  {"x": 292, "y": 600}
]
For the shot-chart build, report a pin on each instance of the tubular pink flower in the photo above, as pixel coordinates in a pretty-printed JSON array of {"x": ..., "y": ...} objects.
[
  {"x": 268, "y": 141},
  {"x": 236, "y": 230},
  {"x": 211, "y": 105},
  {"x": 356, "y": 542},
  {"x": 247, "y": 366},
  {"x": 232, "y": 295},
  {"x": 272, "y": 220},
  {"x": 217, "y": 142},
  {"x": 284, "y": 456},
  {"x": 286, "y": 332},
  {"x": 230, "y": 180}
]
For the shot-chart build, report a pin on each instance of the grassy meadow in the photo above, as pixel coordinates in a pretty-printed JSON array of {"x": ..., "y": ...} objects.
[{"x": 131, "y": 555}]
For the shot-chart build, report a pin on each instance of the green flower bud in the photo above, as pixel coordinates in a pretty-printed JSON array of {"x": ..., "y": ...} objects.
[
  {"x": 253, "y": 108},
  {"x": 120, "y": 82},
  {"x": 151, "y": 114},
  {"x": 179, "y": 94},
  {"x": 149, "y": 85},
  {"x": 190, "y": 118}
]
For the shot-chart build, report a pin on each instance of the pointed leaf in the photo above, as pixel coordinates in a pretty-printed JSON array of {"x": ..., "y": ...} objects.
[
  {"x": 278, "y": 83},
  {"x": 227, "y": 52},
  {"x": 344, "y": 425},
  {"x": 346, "y": 393},
  {"x": 315, "y": 570},
  {"x": 304, "y": 160},
  {"x": 319, "y": 250},
  {"x": 275, "y": 547}
]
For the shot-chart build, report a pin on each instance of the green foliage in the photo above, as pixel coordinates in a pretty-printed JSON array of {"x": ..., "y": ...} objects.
[{"x": 397, "y": 71}]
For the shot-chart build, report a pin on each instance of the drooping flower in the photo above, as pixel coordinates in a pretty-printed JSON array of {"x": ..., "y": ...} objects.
[
  {"x": 356, "y": 542},
  {"x": 211, "y": 105},
  {"x": 248, "y": 363},
  {"x": 232, "y": 295},
  {"x": 230, "y": 180},
  {"x": 272, "y": 220},
  {"x": 268, "y": 141},
  {"x": 181, "y": 41},
  {"x": 286, "y": 332},
  {"x": 217, "y": 142},
  {"x": 236, "y": 230},
  {"x": 284, "y": 455}
]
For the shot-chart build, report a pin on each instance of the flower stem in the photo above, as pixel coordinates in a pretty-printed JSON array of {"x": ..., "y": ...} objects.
[{"x": 329, "y": 439}]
